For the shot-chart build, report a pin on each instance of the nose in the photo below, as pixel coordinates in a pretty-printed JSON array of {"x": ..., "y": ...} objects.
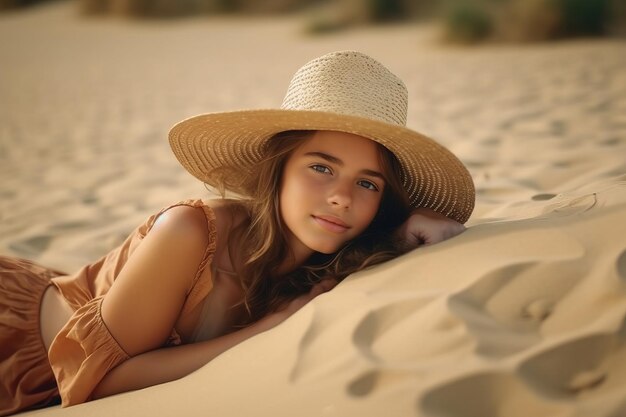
[{"x": 340, "y": 195}]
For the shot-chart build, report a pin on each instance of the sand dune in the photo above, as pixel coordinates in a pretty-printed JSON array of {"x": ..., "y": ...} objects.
[{"x": 522, "y": 315}]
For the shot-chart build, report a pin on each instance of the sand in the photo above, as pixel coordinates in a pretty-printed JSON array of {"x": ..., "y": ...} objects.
[{"x": 522, "y": 315}]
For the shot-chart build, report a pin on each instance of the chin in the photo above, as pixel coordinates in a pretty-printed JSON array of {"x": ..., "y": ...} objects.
[{"x": 327, "y": 249}]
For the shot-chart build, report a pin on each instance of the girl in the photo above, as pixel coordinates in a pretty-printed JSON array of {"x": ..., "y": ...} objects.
[{"x": 328, "y": 184}]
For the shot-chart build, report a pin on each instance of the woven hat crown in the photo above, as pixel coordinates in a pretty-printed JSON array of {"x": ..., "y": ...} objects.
[
  {"x": 344, "y": 91},
  {"x": 349, "y": 83}
]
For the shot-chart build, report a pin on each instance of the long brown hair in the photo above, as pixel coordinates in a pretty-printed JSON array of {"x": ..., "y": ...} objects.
[{"x": 261, "y": 240}]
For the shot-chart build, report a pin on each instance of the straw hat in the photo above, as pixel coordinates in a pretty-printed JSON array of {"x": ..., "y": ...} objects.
[{"x": 343, "y": 91}]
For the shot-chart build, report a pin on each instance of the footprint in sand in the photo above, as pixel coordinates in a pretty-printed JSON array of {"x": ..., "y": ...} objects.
[
  {"x": 586, "y": 368},
  {"x": 501, "y": 320},
  {"x": 407, "y": 332},
  {"x": 488, "y": 394},
  {"x": 403, "y": 339},
  {"x": 399, "y": 334},
  {"x": 572, "y": 367},
  {"x": 581, "y": 370}
]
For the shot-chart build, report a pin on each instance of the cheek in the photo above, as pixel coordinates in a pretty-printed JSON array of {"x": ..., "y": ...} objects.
[
  {"x": 291, "y": 189},
  {"x": 286, "y": 200},
  {"x": 300, "y": 187},
  {"x": 293, "y": 198},
  {"x": 369, "y": 207}
]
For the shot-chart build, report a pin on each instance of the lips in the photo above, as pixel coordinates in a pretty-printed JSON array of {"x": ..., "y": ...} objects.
[{"x": 331, "y": 223}]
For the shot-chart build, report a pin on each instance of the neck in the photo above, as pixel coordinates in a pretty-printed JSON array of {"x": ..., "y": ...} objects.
[{"x": 298, "y": 254}]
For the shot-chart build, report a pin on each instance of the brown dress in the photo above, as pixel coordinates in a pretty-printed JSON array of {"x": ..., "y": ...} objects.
[{"x": 84, "y": 350}]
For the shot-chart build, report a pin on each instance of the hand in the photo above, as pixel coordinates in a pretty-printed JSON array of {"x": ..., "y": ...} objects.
[
  {"x": 427, "y": 227},
  {"x": 275, "y": 318}
]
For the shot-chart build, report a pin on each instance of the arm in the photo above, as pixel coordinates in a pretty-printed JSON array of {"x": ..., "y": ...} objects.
[
  {"x": 427, "y": 227},
  {"x": 145, "y": 300},
  {"x": 167, "y": 364}
]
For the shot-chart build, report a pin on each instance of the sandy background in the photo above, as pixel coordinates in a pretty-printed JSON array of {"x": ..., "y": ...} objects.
[{"x": 522, "y": 315}]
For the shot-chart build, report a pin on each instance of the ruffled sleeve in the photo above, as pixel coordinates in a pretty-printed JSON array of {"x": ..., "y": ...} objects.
[{"x": 83, "y": 353}]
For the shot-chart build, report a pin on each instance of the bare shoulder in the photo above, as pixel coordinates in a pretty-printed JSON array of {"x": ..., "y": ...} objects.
[
  {"x": 147, "y": 295},
  {"x": 181, "y": 222}
]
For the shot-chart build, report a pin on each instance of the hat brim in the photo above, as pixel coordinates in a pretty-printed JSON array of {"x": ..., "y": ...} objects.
[{"x": 234, "y": 141}]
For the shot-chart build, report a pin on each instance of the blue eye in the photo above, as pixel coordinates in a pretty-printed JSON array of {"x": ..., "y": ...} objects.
[
  {"x": 321, "y": 168},
  {"x": 368, "y": 184}
]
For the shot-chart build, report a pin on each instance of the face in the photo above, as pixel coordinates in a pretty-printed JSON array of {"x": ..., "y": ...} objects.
[{"x": 331, "y": 189}]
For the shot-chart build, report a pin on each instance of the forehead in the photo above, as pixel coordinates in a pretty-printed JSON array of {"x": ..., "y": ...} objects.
[{"x": 345, "y": 146}]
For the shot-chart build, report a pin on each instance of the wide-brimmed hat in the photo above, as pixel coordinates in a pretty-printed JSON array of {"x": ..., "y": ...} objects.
[{"x": 343, "y": 91}]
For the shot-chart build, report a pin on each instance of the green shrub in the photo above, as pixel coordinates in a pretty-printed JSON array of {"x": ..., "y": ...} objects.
[
  {"x": 174, "y": 8},
  {"x": 617, "y": 20},
  {"x": 584, "y": 17},
  {"x": 324, "y": 23},
  {"x": 386, "y": 10},
  {"x": 15, "y": 4},
  {"x": 467, "y": 21},
  {"x": 93, "y": 6},
  {"x": 529, "y": 20}
]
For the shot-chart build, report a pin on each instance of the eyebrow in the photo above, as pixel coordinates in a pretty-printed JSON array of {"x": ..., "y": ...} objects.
[{"x": 335, "y": 160}]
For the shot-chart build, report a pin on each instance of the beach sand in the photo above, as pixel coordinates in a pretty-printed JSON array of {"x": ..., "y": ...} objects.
[{"x": 521, "y": 315}]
